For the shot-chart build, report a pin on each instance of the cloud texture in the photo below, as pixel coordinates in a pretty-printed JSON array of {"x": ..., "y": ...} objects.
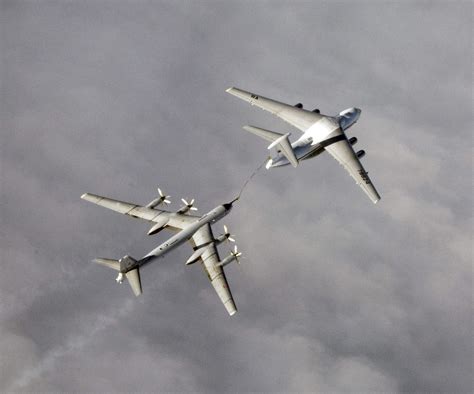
[{"x": 336, "y": 295}]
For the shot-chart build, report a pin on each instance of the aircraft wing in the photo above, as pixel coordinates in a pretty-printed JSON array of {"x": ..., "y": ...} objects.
[
  {"x": 210, "y": 260},
  {"x": 343, "y": 152},
  {"x": 297, "y": 117},
  {"x": 171, "y": 220}
]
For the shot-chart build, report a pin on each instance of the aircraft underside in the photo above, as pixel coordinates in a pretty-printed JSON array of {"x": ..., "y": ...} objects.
[{"x": 303, "y": 152}]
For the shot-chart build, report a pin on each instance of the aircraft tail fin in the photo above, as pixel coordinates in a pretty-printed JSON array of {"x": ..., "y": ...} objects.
[
  {"x": 128, "y": 267},
  {"x": 281, "y": 141},
  {"x": 133, "y": 277}
]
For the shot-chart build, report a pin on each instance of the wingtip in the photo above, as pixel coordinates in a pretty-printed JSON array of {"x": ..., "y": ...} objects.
[
  {"x": 99, "y": 260},
  {"x": 228, "y": 90},
  {"x": 84, "y": 195},
  {"x": 249, "y": 128}
]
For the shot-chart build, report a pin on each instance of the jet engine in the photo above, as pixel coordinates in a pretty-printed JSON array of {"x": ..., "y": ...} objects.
[
  {"x": 353, "y": 140},
  {"x": 360, "y": 154},
  {"x": 299, "y": 105},
  {"x": 316, "y": 110}
]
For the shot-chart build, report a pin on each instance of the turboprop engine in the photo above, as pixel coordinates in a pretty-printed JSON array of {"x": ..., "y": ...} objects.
[
  {"x": 188, "y": 206},
  {"x": 161, "y": 199},
  {"x": 227, "y": 236},
  {"x": 234, "y": 255}
]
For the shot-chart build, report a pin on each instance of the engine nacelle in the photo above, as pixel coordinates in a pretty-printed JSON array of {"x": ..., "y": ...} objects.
[
  {"x": 195, "y": 256},
  {"x": 348, "y": 117},
  {"x": 353, "y": 140},
  {"x": 160, "y": 225},
  {"x": 360, "y": 154},
  {"x": 229, "y": 259},
  {"x": 299, "y": 105},
  {"x": 316, "y": 110}
]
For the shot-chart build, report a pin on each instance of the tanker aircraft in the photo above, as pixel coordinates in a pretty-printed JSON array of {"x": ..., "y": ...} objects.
[
  {"x": 320, "y": 133},
  {"x": 188, "y": 227}
]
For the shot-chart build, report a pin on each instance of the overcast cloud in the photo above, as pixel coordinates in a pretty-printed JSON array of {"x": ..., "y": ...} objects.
[{"x": 336, "y": 294}]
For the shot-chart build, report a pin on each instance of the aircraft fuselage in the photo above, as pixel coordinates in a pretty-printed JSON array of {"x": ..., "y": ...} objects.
[
  {"x": 318, "y": 135},
  {"x": 184, "y": 235}
]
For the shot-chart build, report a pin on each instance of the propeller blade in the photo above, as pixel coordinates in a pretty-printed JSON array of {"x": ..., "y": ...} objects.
[
  {"x": 189, "y": 205},
  {"x": 228, "y": 235},
  {"x": 157, "y": 201},
  {"x": 236, "y": 254}
]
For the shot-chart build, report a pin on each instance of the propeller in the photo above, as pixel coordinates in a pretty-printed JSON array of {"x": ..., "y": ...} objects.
[
  {"x": 159, "y": 200},
  {"x": 228, "y": 235},
  {"x": 189, "y": 205},
  {"x": 164, "y": 198},
  {"x": 236, "y": 254}
]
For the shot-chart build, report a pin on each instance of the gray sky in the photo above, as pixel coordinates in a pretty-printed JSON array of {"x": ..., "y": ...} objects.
[{"x": 336, "y": 295}]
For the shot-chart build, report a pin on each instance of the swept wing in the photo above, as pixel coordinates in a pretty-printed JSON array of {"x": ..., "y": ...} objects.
[
  {"x": 297, "y": 117},
  {"x": 210, "y": 260},
  {"x": 171, "y": 220},
  {"x": 343, "y": 152}
]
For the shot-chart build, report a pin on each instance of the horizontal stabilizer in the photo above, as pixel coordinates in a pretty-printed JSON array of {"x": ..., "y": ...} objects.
[
  {"x": 262, "y": 133},
  {"x": 114, "y": 264},
  {"x": 124, "y": 266},
  {"x": 133, "y": 277},
  {"x": 281, "y": 141}
]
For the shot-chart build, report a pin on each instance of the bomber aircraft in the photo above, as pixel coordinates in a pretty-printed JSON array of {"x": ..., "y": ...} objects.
[
  {"x": 320, "y": 133},
  {"x": 188, "y": 227}
]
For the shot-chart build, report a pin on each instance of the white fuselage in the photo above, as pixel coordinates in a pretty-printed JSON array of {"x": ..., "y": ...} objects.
[
  {"x": 311, "y": 143},
  {"x": 320, "y": 130},
  {"x": 184, "y": 235}
]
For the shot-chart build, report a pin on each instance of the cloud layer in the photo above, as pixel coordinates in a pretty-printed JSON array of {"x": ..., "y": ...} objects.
[{"x": 336, "y": 295}]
